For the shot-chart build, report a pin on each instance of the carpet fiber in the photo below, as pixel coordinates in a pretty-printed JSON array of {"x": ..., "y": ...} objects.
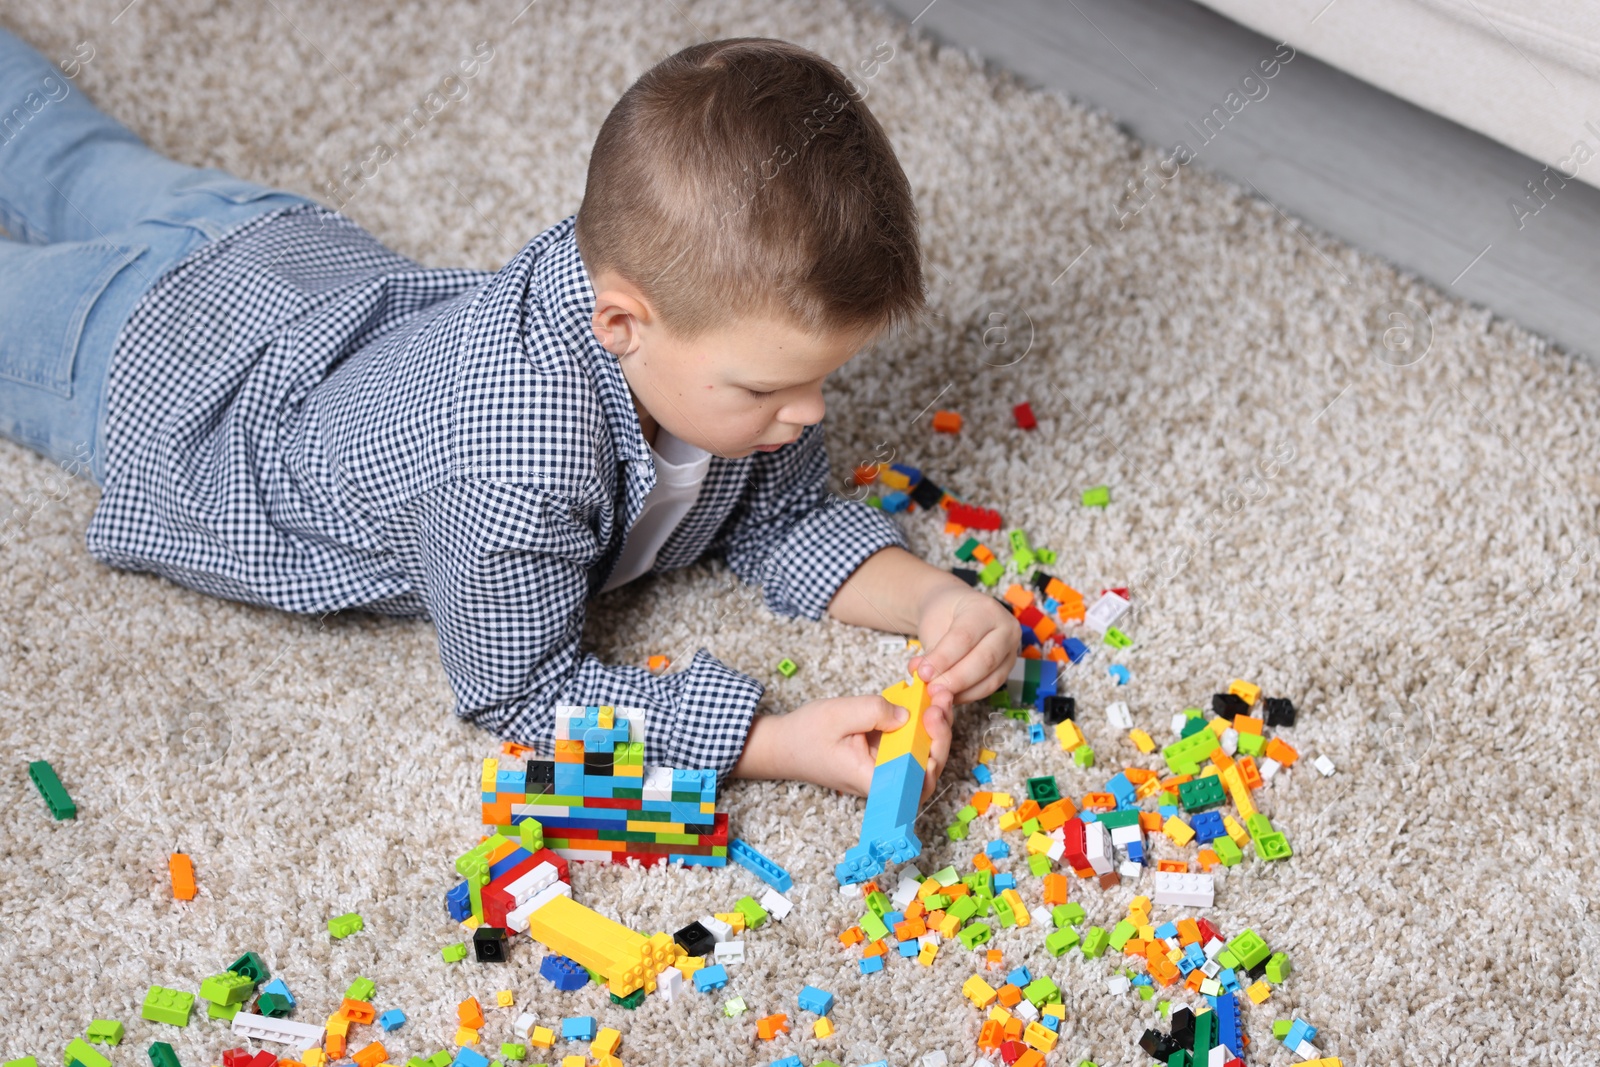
[{"x": 1394, "y": 528}]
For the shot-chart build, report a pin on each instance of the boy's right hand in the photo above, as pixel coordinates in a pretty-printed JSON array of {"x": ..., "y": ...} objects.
[{"x": 834, "y": 742}]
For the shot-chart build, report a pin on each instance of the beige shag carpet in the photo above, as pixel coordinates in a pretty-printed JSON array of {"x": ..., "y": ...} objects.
[{"x": 1390, "y": 518}]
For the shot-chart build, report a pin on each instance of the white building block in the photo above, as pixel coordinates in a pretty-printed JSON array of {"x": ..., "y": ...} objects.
[
  {"x": 1212, "y": 947},
  {"x": 729, "y": 952},
  {"x": 776, "y": 904},
  {"x": 525, "y": 1023},
  {"x": 1025, "y": 1011},
  {"x": 1119, "y": 716},
  {"x": 1041, "y": 916},
  {"x": 1323, "y": 764},
  {"x": 1117, "y": 985},
  {"x": 1269, "y": 768},
  {"x": 517, "y": 918},
  {"x": 1130, "y": 868},
  {"x": 1123, "y": 836},
  {"x": 1097, "y": 847},
  {"x": 851, "y": 891},
  {"x": 1104, "y": 612},
  {"x": 669, "y": 983},
  {"x": 1179, "y": 721},
  {"x": 278, "y": 1031},
  {"x": 905, "y": 892},
  {"x": 1184, "y": 889},
  {"x": 935, "y": 1059},
  {"x": 719, "y": 930},
  {"x": 1229, "y": 741}
]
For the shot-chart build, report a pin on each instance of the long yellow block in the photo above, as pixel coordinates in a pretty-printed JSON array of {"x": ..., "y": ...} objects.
[
  {"x": 626, "y": 958},
  {"x": 912, "y": 735},
  {"x": 1234, "y": 782}
]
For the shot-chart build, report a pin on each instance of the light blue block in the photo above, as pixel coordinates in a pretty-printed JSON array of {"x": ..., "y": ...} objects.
[
  {"x": 816, "y": 1001},
  {"x": 763, "y": 868},
  {"x": 708, "y": 978},
  {"x": 869, "y": 964},
  {"x": 393, "y": 1019},
  {"x": 579, "y": 1028},
  {"x": 465, "y": 1057}
]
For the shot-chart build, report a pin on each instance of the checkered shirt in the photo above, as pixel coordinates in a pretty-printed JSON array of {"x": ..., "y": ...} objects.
[{"x": 302, "y": 418}]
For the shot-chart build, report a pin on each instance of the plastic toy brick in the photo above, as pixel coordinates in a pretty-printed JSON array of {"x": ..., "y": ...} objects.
[
  {"x": 342, "y": 926},
  {"x": 370, "y": 1055},
  {"x": 470, "y": 1013},
  {"x": 55, "y": 795},
  {"x": 947, "y": 422},
  {"x": 280, "y": 1031},
  {"x": 161, "y": 1055},
  {"x": 81, "y": 1051},
  {"x": 360, "y": 989},
  {"x": 771, "y": 1026},
  {"x": 1096, "y": 497},
  {"x": 822, "y": 1028},
  {"x": 393, "y": 1019},
  {"x": 104, "y": 1032},
  {"x": 1198, "y": 794},
  {"x": 755, "y": 916},
  {"x": 762, "y": 867},
  {"x": 887, "y": 825},
  {"x": 226, "y": 988},
  {"x": 707, "y": 979},
  {"x": 181, "y": 870},
  {"x": 454, "y": 953},
  {"x": 787, "y": 667},
  {"x": 1023, "y": 413},
  {"x": 466, "y": 1057},
  {"x": 1278, "y": 968},
  {"x": 605, "y": 1043}
]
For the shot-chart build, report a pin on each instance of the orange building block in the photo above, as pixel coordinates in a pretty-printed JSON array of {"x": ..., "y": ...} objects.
[
  {"x": 1281, "y": 751},
  {"x": 1009, "y": 995},
  {"x": 370, "y": 1056},
  {"x": 1055, "y": 888},
  {"x": 470, "y": 1012},
  {"x": 771, "y": 1026},
  {"x": 946, "y": 422},
  {"x": 182, "y": 870}
]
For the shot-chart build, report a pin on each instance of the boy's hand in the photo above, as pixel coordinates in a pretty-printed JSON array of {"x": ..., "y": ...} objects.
[
  {"x": 970, "y": 641},
  {"x": 834, "y": 743}
]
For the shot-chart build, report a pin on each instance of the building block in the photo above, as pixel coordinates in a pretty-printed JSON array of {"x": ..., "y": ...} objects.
[
  {"x": 710, "y": 978},
  {"x": 763, "y": 868},
  {"x": 787, "y": 667},
  {"x": 104, "y": 1032},
  {"x": 629, "y": 960},
  {"x": 816, "y": 1001},
  {"x": 888, "y": 824},
  {"x": 167, "y": 1006},
  {"x": 160, "y": 1052},
  {"x": 83, "y": 1053},
  {"x": 54, "y": 793},
  {"x": 342, "y": 926},
  {"x": 181, "y": 870},
  {"x": 1023, "y": 413},
  {"x": 1096, "y": 497},
  {"x": 279, "y": 1031},
  {"x": 566, "y": 975}
]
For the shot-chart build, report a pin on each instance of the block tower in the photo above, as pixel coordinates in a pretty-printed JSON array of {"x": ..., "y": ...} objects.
[{"x": 888, "y": 825}]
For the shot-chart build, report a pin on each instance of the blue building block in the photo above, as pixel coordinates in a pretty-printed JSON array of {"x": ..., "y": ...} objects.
[
  {"x": 277, "y": 986},
  {"x": 698, "y": 861},
  {"x": 1004, "y": 880},
  {"x": 1230, "y": 1031},
  {"x": 909, "y": 949},
  {"x": 1051, "y": 1022},
  {"x": 1035, "y": 733},
  {"x": 894, "y": 501},
  {"x": 579, "y": 1028},
  {"x": 790, "y": 1060},
  {"x": 982, "y": 775},
  {"x": 1228, "y": 980},
  {"x": 913, "y": 475},
  {"x": 1075, "y": 649},
  {"x": 1119, "y": 673},
  {"x": 892, "y": 919},
  {"x": 598, "y": 739},
  {"x": 887, "y": 833},
  {"x": 1020, "y": 977},
  {"x": 708, "y": 978},
  {"x": 465, "y": 1057},
  {"x": 997, "y": 849},
  {"x": 869, "y": 964},
  {"x": 568, "y": 780},
  {"x": 759, "y": 865},
  {"x": 1136, "y": 851},
  {"x": 816, "y": 1000},
  {"x": 1299, "y": 1031},
  {"x": 566, "y": 975},
  {"x": 1207, "y": 826},
  {"x": 393, "y": 1019},
  {"x": 1167, "y": 929}
]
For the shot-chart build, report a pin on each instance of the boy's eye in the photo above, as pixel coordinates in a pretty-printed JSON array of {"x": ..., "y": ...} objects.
[{"x": 758, "y": 394}]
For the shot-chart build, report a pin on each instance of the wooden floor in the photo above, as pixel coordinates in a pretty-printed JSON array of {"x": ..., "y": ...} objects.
[{"x": 1390, "y": 178}]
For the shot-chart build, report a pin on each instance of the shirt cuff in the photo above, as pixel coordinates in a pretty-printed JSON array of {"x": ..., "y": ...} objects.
[
  {"x": 707, "y": 727},
  {"x": 821, "y": 552}
]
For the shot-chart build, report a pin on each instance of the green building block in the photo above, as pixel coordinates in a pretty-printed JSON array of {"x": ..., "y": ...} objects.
[
  {"x": 104, "y": 1032},
  {"x": 956, "y": 831},
  {"x": 1018, "y": 540},
  {"x": 225, "y": 1012},
  {"x": 1113, "y": 820},
  {"x": 966, "y": 815},
  {"x": 1184, "y": 756},
  {"x": 252, "y": 967},
  {"x": 1198, "y": 794},
  {"x": 631, "y": 1001},
  {"x": 963, "y": 908},
  {"x": 1071, "y": 913},
  {"x": 1252, "y": 744},
  {"x": 1038, "y": 865},
  {"x": 1120, "y": 934},
  {"x": 1044, "y": 790},
  {"x": 787, "y": 667},
  {"x": 980, "y": 882},
  {"x": 21, "y": 1061},
  {"x": 975, "y": 934},
  {"x": 878, "y": 903},
  {"x": 226, "y": 988},
  {"x": 167, "y": 1006},
  {"x": 161, "y": 1055},
  {"x": 755, "y": 916},
  {"x": 1083, "y": 756},
  {"x": 992, "y": 572},
  {"x": 1205, "y": 1027},
  {"x": 1192, "y": 725},
  {"x": 1227, "y": 959},
  {"x": 360, "y": 989},
  {"x": 1145, "y": 992},
  {"x": 1096, "y": 497},
  {"x": 1095, "y": 942},
  {"x": 1003, "y": 913},
  {"x": 1273, "y": 846},
  {"x": 1046, "y": 556},
  {"x": 530, "y": 833},
  {"x": 1227, "y": 851},
  {"x": 1117, "y": 639},
  {"x": 273, "y": 1005},
  {"x": 1278, "y": 968},
  {"x": 964, "y": 553},
  {"x": 1060, "y": 941},
  {"x": 81, "y": 1051},
  {"x": 1031, "y": 827},
  {"x": 454, "y": 953},
  {"x": 1042, "y": 991},
  {"x": 513, "y": 1051},
  {"x": 1248, "y": 949},
  {"x": 441, "y": 1058},
  {"x": 874, "y": 927},
  {"x": 342, "y": 926},
  {"x": 735, "y": 1008},
  {"x": 1280, "y": 1028},
  {"x": 54, "y": 793}
]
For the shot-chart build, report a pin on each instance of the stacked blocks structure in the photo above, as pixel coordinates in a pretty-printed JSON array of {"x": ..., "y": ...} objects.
[
  {"x": 596, "y": 800},
  {"x": 888, "y": 825}
]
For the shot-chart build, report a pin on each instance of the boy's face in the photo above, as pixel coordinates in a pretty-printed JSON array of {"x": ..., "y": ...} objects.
[{"x": 753, "y": 385}]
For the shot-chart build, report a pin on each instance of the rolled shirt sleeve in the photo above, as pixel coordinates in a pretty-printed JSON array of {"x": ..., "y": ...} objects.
[
  {"x": 506, "y": 580},
  {"x": 796, "y": 540}
]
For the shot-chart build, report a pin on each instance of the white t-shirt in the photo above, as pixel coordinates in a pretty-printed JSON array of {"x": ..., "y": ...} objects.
[{"x": 680, "y": 471}]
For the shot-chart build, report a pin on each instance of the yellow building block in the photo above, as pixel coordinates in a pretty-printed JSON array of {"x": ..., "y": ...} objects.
[
  {"x": 606, "y": 1042},
  {"x": 574, "y": 1061},
  {"x": 1219, "y": 726},
  {"x": 1057, "y": 1010},
  {"x": 978, "y": 991},
  {"x": 1018, "y": 908},
  {"x": 542, "y": 1037},
  {"x": 1001, "y": 800},
  {"x": 491, "y": 768},
  {"x": 948, "y": 927},
  {"x": 999, "y": 1015},
  {"x": 690, "y": 964},
  {"x": 926, "y": 953},
  {"x": 1009, "y": 822},
  {"x": 314, "y": 1057},
  {"x": 734, "y": 919},
  {"x": 987, "y": 755},
  {"x": 1068, "y": 736},
  {"x": 503, "y": 998},
  {"x": 628, "y": 960},
  {"x": 608, "y": 717},
  {"x": 1233, "y": 781},
  {"x": 1258, "y": 992},
  {"x": 912, "y": 735},
  {"x": 1039, "y": 1036},
  {"x": 822, "y": 1028},
  {"x": 1142, "y": 741},
  {"x": 466, "y": 1035},
  {"x": 1038, "y": 843},
  {"x": 1236, "y": 831},
  {"x": 1176, "y": 829},
  {"x": 1244, "y": 691}
]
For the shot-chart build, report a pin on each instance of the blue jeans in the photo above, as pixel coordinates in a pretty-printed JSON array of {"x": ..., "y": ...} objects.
[{"x": 94, "y": 217}]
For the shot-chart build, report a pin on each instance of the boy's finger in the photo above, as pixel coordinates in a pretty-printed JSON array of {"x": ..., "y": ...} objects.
[
  {"x": 951, "y": 649},
  {"x": 878, "y": 714}
]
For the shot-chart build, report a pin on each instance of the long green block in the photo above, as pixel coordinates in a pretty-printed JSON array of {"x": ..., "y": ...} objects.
[{"x": 54, "y": 793}]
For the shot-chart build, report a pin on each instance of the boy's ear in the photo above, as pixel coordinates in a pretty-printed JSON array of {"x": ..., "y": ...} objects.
[{"x": 619, "y": 312}]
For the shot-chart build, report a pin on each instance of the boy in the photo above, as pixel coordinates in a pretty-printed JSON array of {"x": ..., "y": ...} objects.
[{"x": 282, "y": 411}]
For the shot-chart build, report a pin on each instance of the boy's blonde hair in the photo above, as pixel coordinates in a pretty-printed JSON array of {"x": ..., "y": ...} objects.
[{"x": 743, "y": 177}]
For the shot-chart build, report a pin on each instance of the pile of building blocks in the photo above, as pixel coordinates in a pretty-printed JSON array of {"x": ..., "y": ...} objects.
[
  {"x": 888, "y": 824},
  {"x": 596, "y": 800}
]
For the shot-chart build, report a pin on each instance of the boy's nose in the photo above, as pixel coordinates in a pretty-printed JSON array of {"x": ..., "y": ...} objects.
[{"x": 805, "y": 411}]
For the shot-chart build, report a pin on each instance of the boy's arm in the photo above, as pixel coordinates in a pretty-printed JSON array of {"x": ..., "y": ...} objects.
[{"x": 505, "y": 575}]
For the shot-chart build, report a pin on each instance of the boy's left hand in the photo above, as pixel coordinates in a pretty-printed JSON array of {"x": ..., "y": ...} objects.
[{"x": 970, "y": 641}]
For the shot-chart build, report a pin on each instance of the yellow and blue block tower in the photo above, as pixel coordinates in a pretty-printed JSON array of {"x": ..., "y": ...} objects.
[{"x": 889, "y": 823}]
